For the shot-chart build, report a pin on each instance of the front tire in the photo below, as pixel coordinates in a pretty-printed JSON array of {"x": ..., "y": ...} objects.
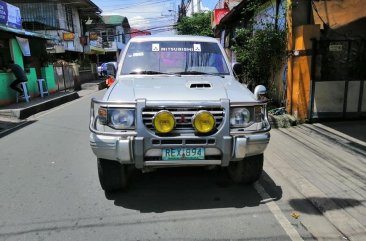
[
  {"x": 247, "y": 171},
  {"x": 112, "y": 175}
]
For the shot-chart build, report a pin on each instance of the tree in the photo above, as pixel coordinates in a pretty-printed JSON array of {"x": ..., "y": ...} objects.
[
  {"x": 261, "y": 53},
  {"x": 198, "y": 24}
]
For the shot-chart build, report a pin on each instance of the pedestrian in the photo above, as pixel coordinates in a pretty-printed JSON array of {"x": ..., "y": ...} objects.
[{"x": 19, "y": 75}]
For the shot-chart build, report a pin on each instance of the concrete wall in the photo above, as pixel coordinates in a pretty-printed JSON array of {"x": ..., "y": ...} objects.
[
  {"x": 329, "y": 99},
  {"x": 339, "y": 13},
  {"x": 299, "y": 70}
]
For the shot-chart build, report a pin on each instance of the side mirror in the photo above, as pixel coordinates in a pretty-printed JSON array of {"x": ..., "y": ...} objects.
[
  {"x": 259, "y": 92},
  {"x": 237, "y": 68}
]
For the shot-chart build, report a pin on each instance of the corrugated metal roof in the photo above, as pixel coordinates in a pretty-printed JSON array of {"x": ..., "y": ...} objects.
[
  {"x": 25, "y": 32},
  {"x": 113, "y": 19}
]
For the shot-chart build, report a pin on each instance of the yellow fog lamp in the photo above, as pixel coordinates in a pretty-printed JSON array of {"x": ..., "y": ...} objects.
[
  {"x": 203, "y": 122},
  {"x": 164, "y": 121}
]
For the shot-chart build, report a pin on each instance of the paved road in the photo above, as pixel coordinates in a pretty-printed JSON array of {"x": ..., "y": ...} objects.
[{"x": 50, "y": 191}]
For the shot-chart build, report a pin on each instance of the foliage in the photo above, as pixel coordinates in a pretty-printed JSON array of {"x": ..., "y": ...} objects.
[
  {"x": 260, "y": 46},
  {"x": 261, "y": 53},
  {"x": 198, "y": 24}
]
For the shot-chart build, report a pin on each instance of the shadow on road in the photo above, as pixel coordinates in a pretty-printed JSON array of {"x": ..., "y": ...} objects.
[
  {"x": 7, "y": 128},
  {"x": 355, "y": 128},
  {"x": 176, "y": 189},
  {"x": 323, "y": 204}
]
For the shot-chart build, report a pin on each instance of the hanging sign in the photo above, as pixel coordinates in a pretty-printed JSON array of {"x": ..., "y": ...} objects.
[
  {"x": 10, "y": 15},
  {"x": 83, "y": 40},
  {"x": 24, "y": 46},
  {"x": 3, "y": 13},
  {"x": 68, "y": 36},
  {"x": 93, "y": 36},
  {"x": 335, "y": 47},
  {"x": 219, "y": 13}
]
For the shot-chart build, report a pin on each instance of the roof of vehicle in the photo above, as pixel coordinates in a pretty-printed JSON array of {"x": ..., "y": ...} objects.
[{"x": 173, "y": 38}]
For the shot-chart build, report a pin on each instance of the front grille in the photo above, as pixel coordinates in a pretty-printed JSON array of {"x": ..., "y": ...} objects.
[
  {"x": 183, "y": 117},
  {"x": 193, "y": 142}
]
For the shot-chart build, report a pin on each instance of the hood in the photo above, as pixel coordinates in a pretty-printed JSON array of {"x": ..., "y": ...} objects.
[{"x": 179, "y": 88}]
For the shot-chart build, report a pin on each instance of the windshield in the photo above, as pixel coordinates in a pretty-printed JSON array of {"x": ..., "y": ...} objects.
[{"x": 179, "y": 57}]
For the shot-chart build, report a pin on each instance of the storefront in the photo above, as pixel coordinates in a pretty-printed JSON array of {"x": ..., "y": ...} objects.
[{"x": 27, "y": 49}]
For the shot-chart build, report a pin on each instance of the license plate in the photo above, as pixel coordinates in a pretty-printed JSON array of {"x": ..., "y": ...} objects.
[{"x": 196, "y": 153}]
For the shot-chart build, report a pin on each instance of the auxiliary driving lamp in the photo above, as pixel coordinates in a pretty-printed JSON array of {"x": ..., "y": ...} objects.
[
  {"x": 203, "y": 122},
  {"x": 164, "y": 121}
]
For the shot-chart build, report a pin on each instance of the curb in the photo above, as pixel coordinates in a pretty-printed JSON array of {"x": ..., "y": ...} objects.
[{"x": 34, "y": 109}]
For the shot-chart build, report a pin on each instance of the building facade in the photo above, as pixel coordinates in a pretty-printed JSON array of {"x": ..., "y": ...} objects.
[
  {"x": 114, "y": 31},
  {"x": 324, "y": 76},
  {"x": 25, "y": 48},
  {"x": 65, "y": 20}
]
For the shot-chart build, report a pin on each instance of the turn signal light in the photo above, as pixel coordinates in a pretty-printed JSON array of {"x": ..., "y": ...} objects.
[{"x": 102, "y": 115}]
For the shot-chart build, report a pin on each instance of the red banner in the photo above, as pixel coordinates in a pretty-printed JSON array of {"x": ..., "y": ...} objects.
[{"x": 219, "y": 13}]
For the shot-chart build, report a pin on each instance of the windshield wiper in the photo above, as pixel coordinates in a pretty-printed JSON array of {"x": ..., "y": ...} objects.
[
  {"x": 146, "y": 72},
  {"x": 151, "y": 72},
  {"x": 199, "y": 73}
]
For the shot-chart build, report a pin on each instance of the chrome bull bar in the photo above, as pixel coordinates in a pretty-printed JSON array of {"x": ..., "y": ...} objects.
[{"x": 94, "y": 119}]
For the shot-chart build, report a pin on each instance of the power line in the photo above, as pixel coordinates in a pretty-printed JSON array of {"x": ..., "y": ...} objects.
[{"x": 137, "y": 5}]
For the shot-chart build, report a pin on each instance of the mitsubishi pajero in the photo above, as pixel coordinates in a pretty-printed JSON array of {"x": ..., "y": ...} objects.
[{"x": 177, "y": 102}]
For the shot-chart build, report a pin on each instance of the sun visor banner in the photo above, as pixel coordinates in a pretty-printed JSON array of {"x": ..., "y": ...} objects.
[
  {"x": 24, "y": 46},
  {"x": 157, "y": 48}
]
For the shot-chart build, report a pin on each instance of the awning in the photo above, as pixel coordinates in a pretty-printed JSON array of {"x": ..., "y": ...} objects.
[
  {"x": 89, "y": 49},
  {"x": 25, "y": 32}
]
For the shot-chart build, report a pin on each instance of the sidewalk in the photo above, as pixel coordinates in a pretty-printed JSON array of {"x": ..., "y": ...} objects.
[
  {"x": 327, "y": 168},
  {"x": 14, "y": 114}
]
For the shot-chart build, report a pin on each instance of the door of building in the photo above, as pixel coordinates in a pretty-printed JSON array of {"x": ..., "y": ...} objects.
[{"x": 338, "y": 79}]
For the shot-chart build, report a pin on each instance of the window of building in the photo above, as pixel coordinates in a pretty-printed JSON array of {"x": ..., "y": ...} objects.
[{"x": 69, "y": 18}]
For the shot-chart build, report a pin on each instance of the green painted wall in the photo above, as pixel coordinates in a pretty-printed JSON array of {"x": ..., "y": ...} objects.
[
  {"x": 49, "y": 75},
  {"x": 7, "y": 95},
  {"x": 32, "y": 82},
  {"x": 16, "y": 52}
]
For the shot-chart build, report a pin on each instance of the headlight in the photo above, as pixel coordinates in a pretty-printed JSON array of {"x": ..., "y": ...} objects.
[
  {"x": 203, "y": 122},
  {"x": 121, "y": 118},
  {"x": 240, "y": 117},
  {"x": 116, "y": 118},
  {"x": 164, "y": 121}
]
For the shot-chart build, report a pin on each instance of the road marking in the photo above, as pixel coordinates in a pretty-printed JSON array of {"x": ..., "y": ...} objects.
[{"x": 278, "y": 214}]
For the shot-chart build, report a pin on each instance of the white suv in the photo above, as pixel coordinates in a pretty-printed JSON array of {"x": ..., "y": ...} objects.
[{"x": 176, "y": 102}]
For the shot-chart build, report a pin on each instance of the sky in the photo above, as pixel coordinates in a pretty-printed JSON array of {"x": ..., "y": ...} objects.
[{"x": 156, "y": 16}]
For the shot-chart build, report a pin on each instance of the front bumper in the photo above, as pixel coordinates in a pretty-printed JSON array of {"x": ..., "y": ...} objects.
[
  {"x": 142, "y": 148},
  {"x": 132, "y": 150}
]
